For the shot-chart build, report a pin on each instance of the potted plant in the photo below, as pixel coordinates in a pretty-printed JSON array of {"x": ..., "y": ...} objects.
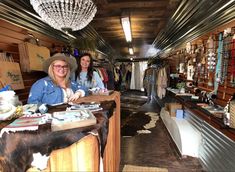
[{"x": 181, "y": 87}]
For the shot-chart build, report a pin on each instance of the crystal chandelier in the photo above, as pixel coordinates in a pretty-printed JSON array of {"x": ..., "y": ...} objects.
[{"x": 65, "y": 14}]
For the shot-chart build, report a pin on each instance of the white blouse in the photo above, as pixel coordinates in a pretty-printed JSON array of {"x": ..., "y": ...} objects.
[{"x": 68, "y": 92}]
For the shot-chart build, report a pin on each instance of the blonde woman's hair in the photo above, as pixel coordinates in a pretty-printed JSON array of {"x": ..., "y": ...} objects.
[{"x": 52, "y": 75}]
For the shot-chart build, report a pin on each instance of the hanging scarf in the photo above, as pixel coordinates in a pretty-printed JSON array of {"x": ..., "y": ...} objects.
[
  {"x": 218, "y": 65},
  {"x": 233, "y": 62}
]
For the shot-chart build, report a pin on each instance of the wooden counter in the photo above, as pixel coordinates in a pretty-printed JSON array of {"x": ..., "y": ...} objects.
[
  {"x": 81, "y": 155},
  {"x": 112, "y": 150}
]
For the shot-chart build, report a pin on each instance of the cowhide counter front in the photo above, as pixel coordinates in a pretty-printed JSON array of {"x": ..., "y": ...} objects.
[{"x": 16, "y": 149}]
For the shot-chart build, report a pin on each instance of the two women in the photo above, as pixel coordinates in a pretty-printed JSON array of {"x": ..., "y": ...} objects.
[{"x": 57, "y": 86}]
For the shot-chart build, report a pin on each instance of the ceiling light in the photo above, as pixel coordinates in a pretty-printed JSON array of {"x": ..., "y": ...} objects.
[
  {"x": 65, "y": 14},
  {"x": 152, "y": 51},
  {"x": 126, "y": 25},
  {"x": 131, "y": 51}
]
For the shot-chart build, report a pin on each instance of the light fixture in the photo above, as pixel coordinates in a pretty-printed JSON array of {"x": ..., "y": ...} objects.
[
  {"x": 126, "y": 25},
  {"x": 65, "y": 14},
  {"x": 131, "y": 50},
  {"x": 152, "y": 51}
]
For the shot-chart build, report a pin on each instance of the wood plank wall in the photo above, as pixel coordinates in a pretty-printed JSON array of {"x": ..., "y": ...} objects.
[
  {"x": 10, "y": 36},
  {"x": 226, "y": 90}
]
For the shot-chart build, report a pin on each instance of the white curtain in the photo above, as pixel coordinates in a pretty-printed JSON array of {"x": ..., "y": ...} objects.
[{"x": 137, "y": 76}]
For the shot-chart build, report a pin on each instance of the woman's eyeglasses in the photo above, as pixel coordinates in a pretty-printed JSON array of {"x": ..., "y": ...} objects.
[{"x": 65, "y": 67}]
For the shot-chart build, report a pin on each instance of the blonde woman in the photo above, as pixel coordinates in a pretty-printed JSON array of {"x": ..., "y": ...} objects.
[{"x": 57, "y": 86}]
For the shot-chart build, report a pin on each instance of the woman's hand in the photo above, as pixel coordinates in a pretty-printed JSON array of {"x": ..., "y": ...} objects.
[{"x": 77, "y": 95}]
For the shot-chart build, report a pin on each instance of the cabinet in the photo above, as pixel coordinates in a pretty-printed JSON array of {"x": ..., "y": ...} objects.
[
  {"x": 217, "y": 143},
  {"x": 216, "y": 151}
]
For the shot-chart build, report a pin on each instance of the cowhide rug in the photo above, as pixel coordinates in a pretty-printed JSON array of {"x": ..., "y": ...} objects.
[{"x": 138, "y": 123}]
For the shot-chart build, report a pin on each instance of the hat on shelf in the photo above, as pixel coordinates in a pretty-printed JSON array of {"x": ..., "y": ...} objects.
[{"x": 60, "y": 56}]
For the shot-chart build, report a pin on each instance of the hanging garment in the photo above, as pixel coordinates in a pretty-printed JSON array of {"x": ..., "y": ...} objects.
[
  {"x": 110, "y": 84},
  {"x": 104, "y": 74},
  {"x": 128, "y": 76},
  {"x": 133, "y": 77},
  {"x": 123, "y": 69},
  {"x": 164, "y": 82},
  {"x": 116, "y": 76},
  {"x": 143, "y": 66},
  {"x": 137, "y": 77},
  {"x": 161, "y": 83},
  {"x": 147, "y": 81}
]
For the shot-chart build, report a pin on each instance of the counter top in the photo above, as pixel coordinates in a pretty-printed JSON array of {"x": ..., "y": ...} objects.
[{"x": 177, "y": 92}]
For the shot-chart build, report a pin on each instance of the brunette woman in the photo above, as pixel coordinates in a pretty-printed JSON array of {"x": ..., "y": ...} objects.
[{"x": 85, "y": 74}]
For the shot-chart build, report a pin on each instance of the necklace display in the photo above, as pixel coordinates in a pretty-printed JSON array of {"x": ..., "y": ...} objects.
[
  {"x": 232, "y": 81},
  {"x": 196, "y": 76},
  {"x": 226, "y": 54},
  {"x": 201, "y": 65},
  {"x": 210, "y": 60},
  {"x": 197, "y": 64}
]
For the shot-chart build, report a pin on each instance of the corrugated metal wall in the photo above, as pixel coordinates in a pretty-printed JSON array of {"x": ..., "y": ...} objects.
[
  {"x": 193, "y": 119},
  {"x": 217, "y": 151}
]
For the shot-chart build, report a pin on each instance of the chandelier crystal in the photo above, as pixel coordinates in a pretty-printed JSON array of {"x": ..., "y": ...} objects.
[{"x": 65, "y": 14}]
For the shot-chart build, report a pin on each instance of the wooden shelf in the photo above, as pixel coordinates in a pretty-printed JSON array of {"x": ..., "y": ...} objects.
[{"x": 206, "y": 89}]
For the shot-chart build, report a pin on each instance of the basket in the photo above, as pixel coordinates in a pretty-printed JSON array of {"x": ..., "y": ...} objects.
[{"x": 232, "y": 114}]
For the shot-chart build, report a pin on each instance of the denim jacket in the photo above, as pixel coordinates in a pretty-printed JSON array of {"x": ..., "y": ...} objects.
[{"x": 45, "y": 91}]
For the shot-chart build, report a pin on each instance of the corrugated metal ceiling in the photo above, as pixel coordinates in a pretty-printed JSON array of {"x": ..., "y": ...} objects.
[{"x": 192, "y": 19}]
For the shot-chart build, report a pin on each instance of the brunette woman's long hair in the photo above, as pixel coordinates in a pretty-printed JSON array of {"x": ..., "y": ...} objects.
[{"x": 90, "y": 68}]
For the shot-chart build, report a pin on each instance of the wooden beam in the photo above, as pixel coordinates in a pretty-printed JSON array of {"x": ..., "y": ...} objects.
[
  {"x": 158, "y": 12},
  {"x": 140, "y": 4},
  {"x": 101, "y": 2},
  {"x": 139, "y": 18}
]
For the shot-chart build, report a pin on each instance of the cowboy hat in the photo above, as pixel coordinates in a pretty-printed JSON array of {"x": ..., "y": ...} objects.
[{"x": 59, "y": 56}]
